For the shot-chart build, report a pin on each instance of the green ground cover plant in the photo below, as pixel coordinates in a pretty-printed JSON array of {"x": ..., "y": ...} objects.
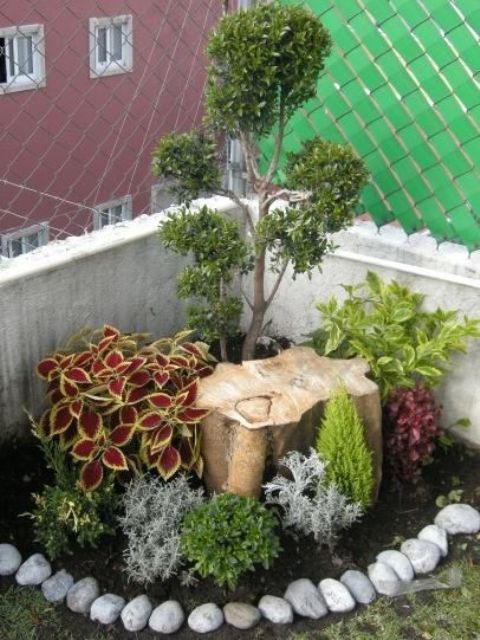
[{"x": 228, "y": 536}]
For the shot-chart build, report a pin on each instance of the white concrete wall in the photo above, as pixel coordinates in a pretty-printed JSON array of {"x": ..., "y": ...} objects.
[
  {"x": 447, "y": 276},
  {"x": 120, "y": 276}
]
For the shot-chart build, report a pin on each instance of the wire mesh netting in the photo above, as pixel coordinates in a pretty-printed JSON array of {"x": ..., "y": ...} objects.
[
  {"x": 402, "y": 86},
  {"x": 86, "y": 91}
]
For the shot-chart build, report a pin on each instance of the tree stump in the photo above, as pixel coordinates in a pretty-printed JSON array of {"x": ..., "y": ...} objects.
[{"x": 262, "y": 409}]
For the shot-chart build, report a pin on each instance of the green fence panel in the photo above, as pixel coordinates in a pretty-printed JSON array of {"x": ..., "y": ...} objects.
[{"x": 403, "y": 87}]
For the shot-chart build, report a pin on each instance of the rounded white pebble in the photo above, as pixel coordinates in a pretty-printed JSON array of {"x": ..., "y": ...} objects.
[
  {"x": 167, "y": 618},
  {"x": 337, "y": 596},
  {"x": 106, "y": 609},
  {"x": 205, "y": 618},
  {"x": 10, "y": 559},
  {"x": 437, "y": 535},
  {"x": 136, "y": 613},
  {"x": 80, "y": 597},
  {"x": 359, "y": 586},
  {"x": 276, "y": 609},
  {"x": 56, "y": 588},
  {"x": 423, "y": 555},
  {"x": 305, "y": 599},
  {"x": 384, "y": 579},
  {"x": 34, "y": 571},
  {"x": 399, "y": 563},
  {"x": 458, "y": 518}
]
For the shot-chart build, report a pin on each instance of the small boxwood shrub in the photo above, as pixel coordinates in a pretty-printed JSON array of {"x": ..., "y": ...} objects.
[
  {"x": 228, "y": 536},
  {"x": 342, "y": 444}
]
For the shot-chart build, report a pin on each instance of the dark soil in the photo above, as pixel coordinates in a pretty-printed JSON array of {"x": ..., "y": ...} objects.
[{"x": 400, "y": 513}]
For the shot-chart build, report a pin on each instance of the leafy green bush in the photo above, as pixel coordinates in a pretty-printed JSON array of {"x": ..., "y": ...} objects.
[
  {"x": 64, "y": 513},
  {"x": 218, "y": 251},
  {"x": 387, "y": 326},
  {"x": 264, "y": 63},
  {"x": 64, "y": 516},
  {"x": 341, "y": 442},
  {"x": 227, "y": 536}
]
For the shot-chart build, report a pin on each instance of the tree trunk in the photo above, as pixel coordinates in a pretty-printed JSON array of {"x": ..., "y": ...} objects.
[{"x": 259, "y": 307}]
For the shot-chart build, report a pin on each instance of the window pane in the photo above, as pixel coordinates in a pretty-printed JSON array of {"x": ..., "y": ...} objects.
[
  {"x": 117, "y": 214},
  {"x": 11, "y": 58},
  {"x": 102, "y": 45},
  {"x": 16, "y": 248},
  {"x": 3, "y": 61},
  {"x": 104, "y": 217},
  {"x": 25, "y": 55},
  {"x": 117, "y": 39}
]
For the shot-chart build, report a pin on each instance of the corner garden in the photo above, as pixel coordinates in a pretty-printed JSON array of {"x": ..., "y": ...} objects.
[{"x": 164, "y": 485}]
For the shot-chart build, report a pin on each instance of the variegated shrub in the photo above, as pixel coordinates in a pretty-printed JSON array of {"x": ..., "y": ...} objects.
[{"x": 120, "y": 405}]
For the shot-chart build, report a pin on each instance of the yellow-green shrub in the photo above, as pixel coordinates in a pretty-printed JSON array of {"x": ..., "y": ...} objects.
[{"x": 341, "y": 442}]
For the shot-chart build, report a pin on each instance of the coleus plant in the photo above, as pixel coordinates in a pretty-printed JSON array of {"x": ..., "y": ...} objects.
[
  {"x": 120, "y": 405},
  {"x": 412, "y": 419}
]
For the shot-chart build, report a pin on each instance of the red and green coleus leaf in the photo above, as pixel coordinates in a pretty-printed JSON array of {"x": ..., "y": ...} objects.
[
  {"x": 161, "y": 438},
  {"x": 139, "y": 378},
  {"x": 90, "y": 424},
  {"x": 67, "y": 388},
  {"x": 110, "y": 331},
  {"x": 188, "y": 394},
  {"x": 105, "y": 343},
  {"x": 137, "y": 395},
  {"x": 128, "y": 415},
  {"x": 91, "y": 475},
  {"x": 193, "y": 349},
  {"x": 116, "y": 387},
  {"x": 192, "y": 415},
  {"x": 161, "y": 378},
  {"x": 76, "y": 408},
  {"x": 48, "y": 368},
  {"x": 114, "y": 359},
  {"x": 84, "y": 449},
  {"x": 82, "y": 359},
  {"x": 68, "y": 437},
  {"x": 149, "y": 421},
  {"x": 179, "y": 362},
  {"x": 160, "y": 400},
  {"x": 60, "y": 419},
  {"x": 169, "y": 462},
  {"x": 121, "y": 435},
  {"x": 134, "y": 365},
  {"x": 77, "y": 376},
  {"x": 115, "y": 459}
]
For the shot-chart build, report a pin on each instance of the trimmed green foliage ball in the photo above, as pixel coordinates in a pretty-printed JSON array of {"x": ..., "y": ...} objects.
[
  {"x": 228, "y": 536},
  {"x": 341, "y": 442}
]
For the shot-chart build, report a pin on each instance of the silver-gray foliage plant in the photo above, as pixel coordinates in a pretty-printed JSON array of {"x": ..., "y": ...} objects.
[
  {"x": 154, "y": 511},
  {"x": 309, "y": 505}
]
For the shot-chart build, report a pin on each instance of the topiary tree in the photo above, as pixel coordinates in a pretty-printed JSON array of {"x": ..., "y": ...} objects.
[
  {"x": 264, "y": 64},
  {"x": 341, "y": 442}
]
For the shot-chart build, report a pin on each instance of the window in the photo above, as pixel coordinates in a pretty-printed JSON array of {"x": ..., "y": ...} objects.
[
  {"x": 22, "y": 58},
  {"x": 24, "y": 240},
  {"x": 111, "y": 49},
  {"x": 112, "y": 212}
]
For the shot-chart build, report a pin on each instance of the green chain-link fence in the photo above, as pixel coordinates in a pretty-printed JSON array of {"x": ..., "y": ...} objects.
[{"x": 403, "y": 87}]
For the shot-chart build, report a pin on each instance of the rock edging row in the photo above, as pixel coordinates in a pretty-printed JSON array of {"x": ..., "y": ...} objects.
[{"x": 389, "y": 575}]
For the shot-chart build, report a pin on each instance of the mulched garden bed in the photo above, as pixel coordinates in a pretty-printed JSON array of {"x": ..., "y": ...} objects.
[{"x": 400, "y": 512}]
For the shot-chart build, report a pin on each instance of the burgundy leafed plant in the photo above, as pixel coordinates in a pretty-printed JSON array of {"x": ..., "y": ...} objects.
[
  {"x": 119, "y": 405},
  {"x": 412, "y": 428}
]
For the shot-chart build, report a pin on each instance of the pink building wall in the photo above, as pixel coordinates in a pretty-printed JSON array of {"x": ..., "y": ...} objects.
[{"x": 89, "y": 140}]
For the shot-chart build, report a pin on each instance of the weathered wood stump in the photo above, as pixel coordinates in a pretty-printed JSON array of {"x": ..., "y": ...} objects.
[{"x": 262, "y": 409}]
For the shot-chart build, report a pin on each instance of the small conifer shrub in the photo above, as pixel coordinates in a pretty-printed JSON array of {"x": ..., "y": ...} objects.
[{"x": 342, "y": 444}]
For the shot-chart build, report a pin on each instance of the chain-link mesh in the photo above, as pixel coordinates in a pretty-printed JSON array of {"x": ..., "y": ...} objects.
[
  {"x": 402, "y": 86},
  {"x": 86, "y": 90}
]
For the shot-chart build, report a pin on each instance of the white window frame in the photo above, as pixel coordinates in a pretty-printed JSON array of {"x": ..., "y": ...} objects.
[
  {"x": 20, "y": 81},
  {"x": 111, "y": 67},
  {"x": 41, "y": 229},
  {"x": 125, "y": 202}
]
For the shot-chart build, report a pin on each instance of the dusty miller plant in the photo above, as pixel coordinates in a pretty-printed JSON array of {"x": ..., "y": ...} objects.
[
  {"x": 308, "y": 504},
  {"x": 154, "y": 511},
  {"x": 264, "y": 65}
]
